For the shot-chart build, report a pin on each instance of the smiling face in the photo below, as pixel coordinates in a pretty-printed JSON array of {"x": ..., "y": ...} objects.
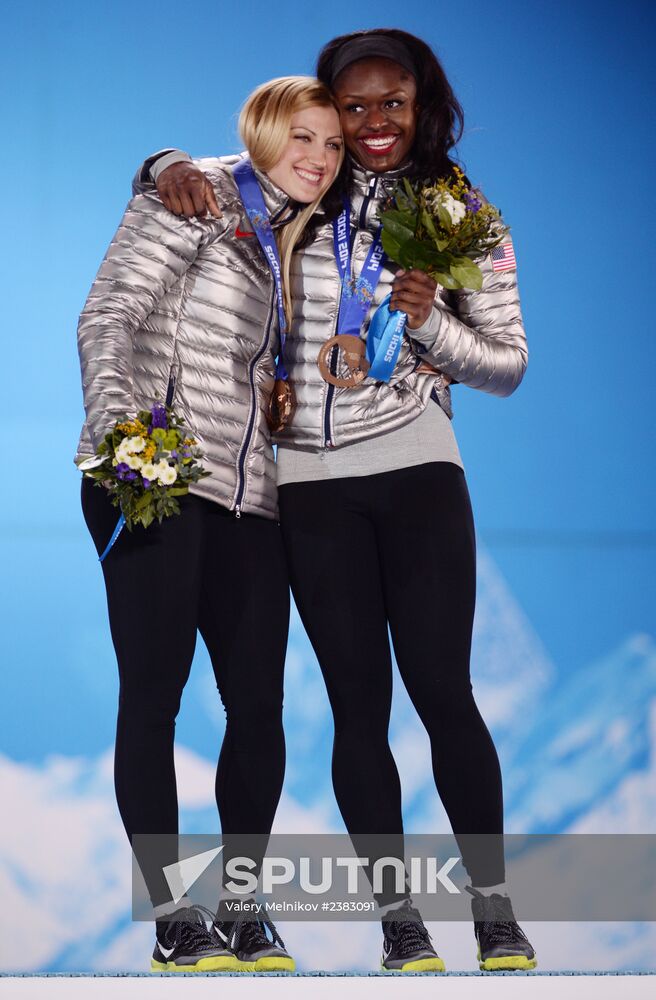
[
  {"x": 311, "y": 158},
  {"x": 378, "y": 111}
]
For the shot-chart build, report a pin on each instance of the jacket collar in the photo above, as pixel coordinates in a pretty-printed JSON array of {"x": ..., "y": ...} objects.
[
  {"x": 362, "y": 179},
  {"x": 276, "y": 200},
  {"x": 364, "y": 192}
]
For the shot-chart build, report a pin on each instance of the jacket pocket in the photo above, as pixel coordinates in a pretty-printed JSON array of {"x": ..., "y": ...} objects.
[{"x": 442, "y": 395}]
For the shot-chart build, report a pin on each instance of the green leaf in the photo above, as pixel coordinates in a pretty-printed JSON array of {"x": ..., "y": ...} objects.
[
  {"x": 445, "y": 218},
  {"x": 391, "y": 246},
  {"x": 428, "y": 223},
  {"x": 409, "y": 190},
  {"x": 400, "y": 215},
  {"x": 445, "y": 279},
  {"x": 415, "y": 255},
  {"x": 467, "y": 273},
  {"x": 399, "y": 225},
  {"x": 423, "y": 256},
  {"x": 147, "y": 517},
  {"x": 143, "y": 502}
]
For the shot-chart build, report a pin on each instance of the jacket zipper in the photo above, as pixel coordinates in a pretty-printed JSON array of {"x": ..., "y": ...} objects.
[
  {"x": 365, "y": 204},
  {"x": 362, "y": 224},
  {"x": 249, "y": 433}
]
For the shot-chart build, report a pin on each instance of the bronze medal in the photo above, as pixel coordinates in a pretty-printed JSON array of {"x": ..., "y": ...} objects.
[
  {"x": 281, "y": 406},
  {"x": 351, "y": 357}
]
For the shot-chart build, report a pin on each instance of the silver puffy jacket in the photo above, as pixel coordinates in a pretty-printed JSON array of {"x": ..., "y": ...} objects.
[
  {"x": 476, "y": 338},
  {"x": 194, "y": 299}
]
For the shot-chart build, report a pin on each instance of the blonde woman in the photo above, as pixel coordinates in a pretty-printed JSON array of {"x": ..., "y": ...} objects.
[{"x": 190, "y": 311}]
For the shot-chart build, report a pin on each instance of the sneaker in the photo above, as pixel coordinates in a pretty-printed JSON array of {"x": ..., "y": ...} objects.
[
  {"x": 407, "y": 944},
  {"x": 252, "y": 949},
  {"x": 502, "y": 943},
  {"x": 186, "y": 945}
]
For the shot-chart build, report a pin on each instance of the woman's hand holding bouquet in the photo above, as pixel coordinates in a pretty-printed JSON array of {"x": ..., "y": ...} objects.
[
  {"x": 146, "y": 463},
  {"x": 436, "y": 232}
]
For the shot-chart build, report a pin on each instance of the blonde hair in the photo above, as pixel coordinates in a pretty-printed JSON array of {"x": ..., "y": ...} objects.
[{"x": 264, "y": 125}]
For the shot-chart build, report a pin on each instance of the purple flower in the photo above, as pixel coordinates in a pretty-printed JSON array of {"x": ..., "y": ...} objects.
[
  {"x": 472, "y": 202},
  {"x": 123, "y": 470},
  {"x": 146, "y": 483},
  {"x": 159, "y": 416},
  {"x": 174, "y": 454}
]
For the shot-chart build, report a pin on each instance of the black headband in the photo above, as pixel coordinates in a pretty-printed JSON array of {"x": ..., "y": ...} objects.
[{"x": 370, "y": 47}]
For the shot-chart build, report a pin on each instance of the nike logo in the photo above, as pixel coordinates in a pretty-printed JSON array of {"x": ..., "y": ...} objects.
[
  {"x": 166, "y": 952},
  {"x": 241, "y": 234},
  {"x": 224, "y": 937}
]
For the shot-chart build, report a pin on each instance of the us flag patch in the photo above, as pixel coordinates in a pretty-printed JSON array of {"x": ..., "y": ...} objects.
[{"x": 503, "y": 257}]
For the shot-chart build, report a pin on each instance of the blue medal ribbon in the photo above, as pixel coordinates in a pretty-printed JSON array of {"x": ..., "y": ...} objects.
[
  {"x": 384, "y": 340},
  {"x": 117, "y": 531},
  {"x": 256, "y": 210},
  {"x": 387, "y": 326}
]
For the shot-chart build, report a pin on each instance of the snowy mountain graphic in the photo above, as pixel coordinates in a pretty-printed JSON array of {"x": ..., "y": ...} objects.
[{"x": 578, "y": 754}]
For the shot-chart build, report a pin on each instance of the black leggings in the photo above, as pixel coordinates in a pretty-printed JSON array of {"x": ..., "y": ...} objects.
[
  {"x": 203, "y": 570},
  {"x": 396, "y": 548}
]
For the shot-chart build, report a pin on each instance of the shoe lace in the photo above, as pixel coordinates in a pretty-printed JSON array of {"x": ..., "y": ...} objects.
[
  {"x": 506, "y": 932},
  {"x": 190, "y": 926},
  {"x": 252, "y": 934},
  {"x": 408, "y": 933}
]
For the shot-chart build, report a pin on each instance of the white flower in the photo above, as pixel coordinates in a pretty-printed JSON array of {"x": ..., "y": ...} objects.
[
  {"x": 456, "y": 209},
  {"x": 167, "y": 476},
  {"x": 134, "y": 444},
  {"x": 122, "y": 451},
  {"x": 149, "y": 471},
  {"x": 133, "y": 461}
]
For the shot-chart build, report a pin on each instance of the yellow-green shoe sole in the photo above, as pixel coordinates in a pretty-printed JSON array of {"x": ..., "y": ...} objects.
[
  {"x": 271, "y": 964},
  {"x": 506, "y": 963},
  {"x": 219, "y": 964},
  {"x": 421, "y": 965},
  {"x": 275, "y": 965}
]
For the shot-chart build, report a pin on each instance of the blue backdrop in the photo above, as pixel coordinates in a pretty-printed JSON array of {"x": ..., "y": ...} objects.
[{"x": 557, "y": 101}]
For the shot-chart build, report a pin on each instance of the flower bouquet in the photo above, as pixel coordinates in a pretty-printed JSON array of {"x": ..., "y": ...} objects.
[
  {"x": 146, "y": 464},
  {"x": 441, "y": 229}
]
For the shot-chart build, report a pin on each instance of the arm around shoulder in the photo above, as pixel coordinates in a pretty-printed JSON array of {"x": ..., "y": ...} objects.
[{"x": 154, "y": 166}]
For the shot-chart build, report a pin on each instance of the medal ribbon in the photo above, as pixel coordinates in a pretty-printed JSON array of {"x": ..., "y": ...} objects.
[
  {"x": 356, "y": 298},
  {"x": 256, "y": 210}
]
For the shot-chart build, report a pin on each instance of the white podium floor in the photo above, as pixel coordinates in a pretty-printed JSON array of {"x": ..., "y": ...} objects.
[{"x": 272, "y": 986}]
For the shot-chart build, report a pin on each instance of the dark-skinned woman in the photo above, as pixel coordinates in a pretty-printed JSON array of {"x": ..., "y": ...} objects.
[{"x": 374, "y": 506}]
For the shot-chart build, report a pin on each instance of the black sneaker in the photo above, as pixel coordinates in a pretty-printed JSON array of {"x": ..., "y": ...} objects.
[
  {"x": 186, "y": 945},
  {"x": 250, "y": 946},
  {"x": 407, "y": 944},
  {"x": 502, "y": 943}
]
